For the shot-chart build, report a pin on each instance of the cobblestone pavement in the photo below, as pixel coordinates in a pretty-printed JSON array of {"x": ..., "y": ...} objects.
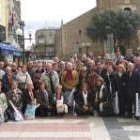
[{"x": 71, "y": 128}]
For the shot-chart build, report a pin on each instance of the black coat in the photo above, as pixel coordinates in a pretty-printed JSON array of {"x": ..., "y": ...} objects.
[
  {"x": 120, "y": 83},
  {"x": 112, "y": 79},
  {"x": 80, "y": 99},
  {"x": 106, "y": 99},
  {"x": 132, "y": 84}
]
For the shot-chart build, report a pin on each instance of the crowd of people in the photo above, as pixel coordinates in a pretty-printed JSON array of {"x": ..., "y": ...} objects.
[{"x": 83, "y": 86}]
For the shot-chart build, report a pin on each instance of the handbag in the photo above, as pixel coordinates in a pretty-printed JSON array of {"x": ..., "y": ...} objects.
[
  {"x": 30, "y": 111},
  {"x": 17, "y": 114}
]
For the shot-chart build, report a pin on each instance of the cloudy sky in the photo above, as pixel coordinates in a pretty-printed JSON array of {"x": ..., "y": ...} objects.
[{"x": 49, "y": 13}]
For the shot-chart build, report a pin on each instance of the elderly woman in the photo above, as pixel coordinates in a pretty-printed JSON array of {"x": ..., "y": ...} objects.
[
  {"x": 103, "y": 103},
  {"x": 3, "y": 105},
  {"x": 7, "y": 80},
  {"x": 28, "y": 96},
  {"x": 46, "y": 101},
  {"x": 84, "y": 101},
  {"x": 23, "y": 78},
  {"x": 16, "y": 96},
  {"x": 91, "y": 79},
  {"x": 82, "y": 77},
  {"x": 120, "y": 76},
  {"x": 60, "y": 106}
]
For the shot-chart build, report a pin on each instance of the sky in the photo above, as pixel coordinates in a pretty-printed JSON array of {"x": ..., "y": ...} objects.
[{"x": 39, "y": 14}]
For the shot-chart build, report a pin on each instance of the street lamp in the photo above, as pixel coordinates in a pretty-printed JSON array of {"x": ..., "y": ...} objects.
[{"x": 20, "y": 34}]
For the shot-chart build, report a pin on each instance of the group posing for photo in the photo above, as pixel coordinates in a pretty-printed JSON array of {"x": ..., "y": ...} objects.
[{"x": 81, "y": 86}]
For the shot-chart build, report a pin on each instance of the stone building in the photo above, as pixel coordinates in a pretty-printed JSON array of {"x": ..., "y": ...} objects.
[
  {"x": 48, "y": 43},
  {"x": 10, "y": 18},
  {"x": 14, "y": 20},
  {"x": 74, "y": 38}
]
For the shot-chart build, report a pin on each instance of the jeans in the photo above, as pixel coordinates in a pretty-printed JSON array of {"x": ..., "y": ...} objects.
[{"x": 68, "y": 98}]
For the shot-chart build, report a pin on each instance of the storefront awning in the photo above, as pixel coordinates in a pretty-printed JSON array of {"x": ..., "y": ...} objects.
[{"x": 7, "y": 49}]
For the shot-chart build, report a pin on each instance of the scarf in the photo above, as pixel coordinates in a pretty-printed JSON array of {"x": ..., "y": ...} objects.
[
  {"x": 99, "y": 95},
  {"x": 69, "y": 75}
]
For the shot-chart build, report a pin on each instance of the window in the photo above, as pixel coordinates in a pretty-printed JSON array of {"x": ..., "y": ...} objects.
[
  {"x": 41, "y": 39},
  {"x": 77, "y": 42},
  {"x": 80, "y": 32}
]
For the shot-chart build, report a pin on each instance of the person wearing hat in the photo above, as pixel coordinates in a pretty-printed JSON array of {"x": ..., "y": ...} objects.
[
  {"x": 120, "y": 76},
  {"x": 102, "y": 103}
]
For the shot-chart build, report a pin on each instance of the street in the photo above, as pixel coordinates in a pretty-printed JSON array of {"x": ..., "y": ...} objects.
[{"x": 71, "y": 128}]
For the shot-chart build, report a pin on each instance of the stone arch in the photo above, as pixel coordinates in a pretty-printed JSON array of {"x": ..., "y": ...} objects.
[{"x": 127, "y": 9}]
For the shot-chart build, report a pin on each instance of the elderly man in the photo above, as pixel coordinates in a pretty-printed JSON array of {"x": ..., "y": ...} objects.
[
  {"x": 69, "y": 79},
  {"x": 50, "y": 78},
  {"x": 132, "y": 87}
]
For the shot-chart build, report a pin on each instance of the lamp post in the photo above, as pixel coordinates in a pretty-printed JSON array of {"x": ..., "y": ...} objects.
[{"x": 20, "y": 34}]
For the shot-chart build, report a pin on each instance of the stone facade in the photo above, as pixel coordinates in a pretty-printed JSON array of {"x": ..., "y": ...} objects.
[
  {"x": 14, "y": 20},
  {"x": 48, "y": 43},
  {"x": 74, "y": 38}
]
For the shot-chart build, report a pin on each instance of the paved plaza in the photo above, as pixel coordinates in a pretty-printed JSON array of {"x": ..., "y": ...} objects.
[{"x": 71, "y": 128}]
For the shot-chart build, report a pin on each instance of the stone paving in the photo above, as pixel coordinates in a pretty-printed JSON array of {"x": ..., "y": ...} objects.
[{"x": 72, "y": 128}]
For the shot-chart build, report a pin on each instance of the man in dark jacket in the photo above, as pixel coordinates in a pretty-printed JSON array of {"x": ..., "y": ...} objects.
[
  {"x": 132, "y": 87},
  {"x": 109, "y": 78}
]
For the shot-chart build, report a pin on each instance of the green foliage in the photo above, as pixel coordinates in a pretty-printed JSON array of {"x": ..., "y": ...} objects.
[{"x": 122, "y": 24}]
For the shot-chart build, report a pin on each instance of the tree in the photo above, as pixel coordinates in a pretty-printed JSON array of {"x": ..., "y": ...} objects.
[
  {"x": 122, "y": 24},
  {"x": 101, "y": 25}
]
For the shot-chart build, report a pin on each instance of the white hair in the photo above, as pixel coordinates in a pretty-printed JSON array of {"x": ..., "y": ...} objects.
[{"x": 8, "y": 69}]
